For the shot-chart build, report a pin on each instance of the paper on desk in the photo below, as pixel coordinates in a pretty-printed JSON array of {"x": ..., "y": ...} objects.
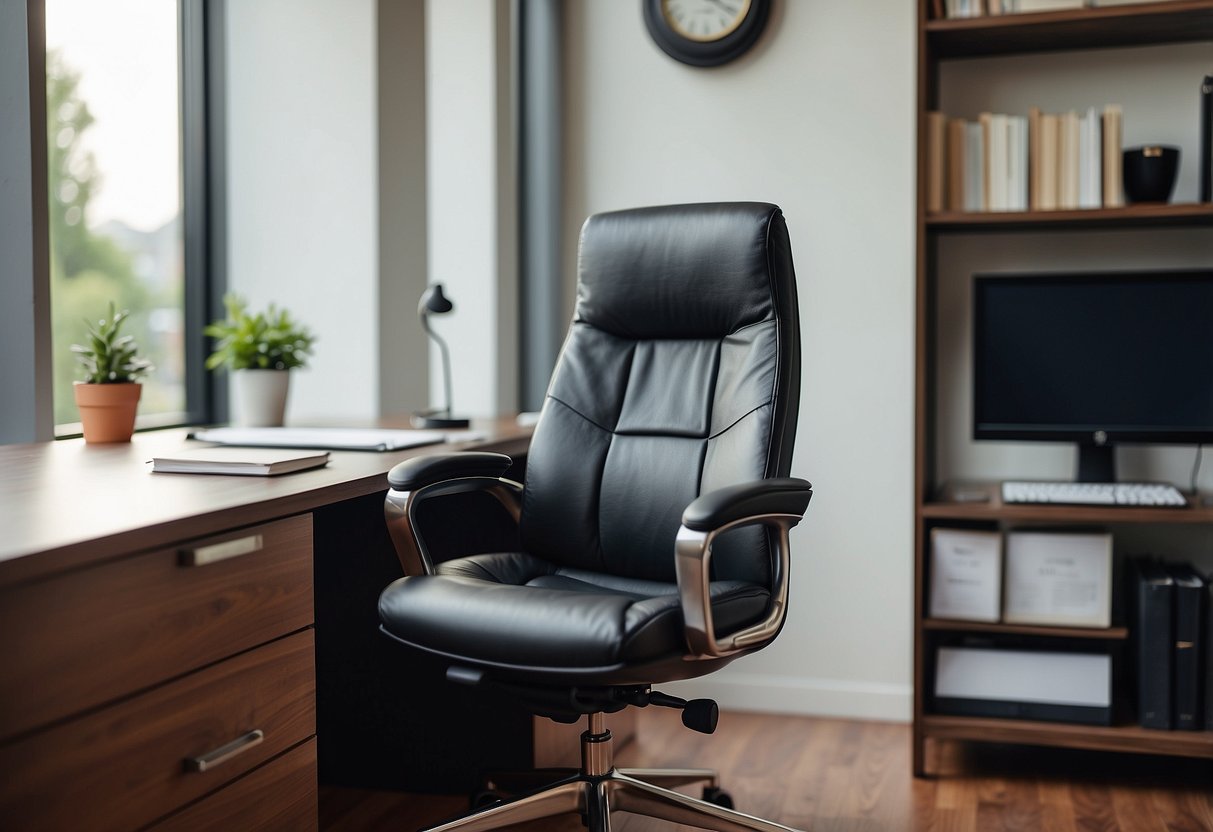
[{"x": 333, "y": 439}]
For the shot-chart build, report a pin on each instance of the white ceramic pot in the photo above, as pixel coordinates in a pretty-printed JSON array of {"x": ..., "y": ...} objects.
[{"x": 259, "y": 397}]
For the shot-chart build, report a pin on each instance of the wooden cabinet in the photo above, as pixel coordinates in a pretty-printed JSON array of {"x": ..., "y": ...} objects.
[
  {"x": 941, "y": 41},
  {"x": 137, "y": 686}
]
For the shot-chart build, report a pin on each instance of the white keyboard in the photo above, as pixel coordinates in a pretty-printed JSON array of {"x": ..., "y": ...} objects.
[{"x": 1148, "y": 494}]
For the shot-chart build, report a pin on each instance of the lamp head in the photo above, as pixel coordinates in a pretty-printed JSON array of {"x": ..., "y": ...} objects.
[{"x": 434, "y": 302}]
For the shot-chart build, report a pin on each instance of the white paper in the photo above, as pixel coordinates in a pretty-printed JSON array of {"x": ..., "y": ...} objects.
[
  {"x": 1059, "y": 579},
  {"x": 966, "y": 572},
  {"x": 337, "y": 439}
]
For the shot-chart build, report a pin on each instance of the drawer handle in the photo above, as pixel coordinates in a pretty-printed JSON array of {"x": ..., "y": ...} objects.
[
  {"x": 223, "y": 753},
  {"x": 202, "y": 555}
]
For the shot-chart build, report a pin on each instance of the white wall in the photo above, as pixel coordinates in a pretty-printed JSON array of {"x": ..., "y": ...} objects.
[
  {"x": 818, "y": 118},
  {"x": 302, "y": 187}
]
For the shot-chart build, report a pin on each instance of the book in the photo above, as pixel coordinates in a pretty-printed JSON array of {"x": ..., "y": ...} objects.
[
  {"x": 1113, "y": 172},
  {"x": 1029, "y": 6},
  {"x": 974, "y": 177},
  {"x": 336, "y": 439},
  {"x": 1067, "y": 161},
  {"x": 936, "y": 164},
  {"x": 1017, "y": 163},
  {"x": 956, "y": 164},
  {"x": 1049, "y": 145},
  {"x": 247, "y": 462},
  {"x": 1154, "y": 592},
  {"x": 1187, "y": 665},
  {"x": 1089, "y": 162},
  {"x": 1034, "y": 158}
]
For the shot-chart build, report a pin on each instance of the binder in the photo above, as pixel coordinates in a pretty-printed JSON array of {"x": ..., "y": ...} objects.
[
  {"x": 1188, "y": 667},
  {"x": 1154, "y": 592},
  {"x": 1209, "y": 653}
]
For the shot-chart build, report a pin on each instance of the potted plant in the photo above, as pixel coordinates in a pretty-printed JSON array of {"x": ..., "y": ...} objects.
[
  {"x": 109, "y": 394},
  {"x": 259, "y": 349}
]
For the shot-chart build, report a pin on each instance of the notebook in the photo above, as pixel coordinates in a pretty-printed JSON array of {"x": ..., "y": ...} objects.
[{"x": 248, "y": 462}]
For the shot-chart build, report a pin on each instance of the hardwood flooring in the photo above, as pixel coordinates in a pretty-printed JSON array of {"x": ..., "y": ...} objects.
[{"x": 833, "y": 775}]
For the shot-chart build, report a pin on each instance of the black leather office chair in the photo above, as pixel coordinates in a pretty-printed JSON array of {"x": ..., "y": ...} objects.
[{"x": 655, "y": 515}]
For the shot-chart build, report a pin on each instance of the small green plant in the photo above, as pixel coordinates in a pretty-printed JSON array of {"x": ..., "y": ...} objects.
[
  {"x": 110, "y": 358},
  {"x": 268, "y": 340}
]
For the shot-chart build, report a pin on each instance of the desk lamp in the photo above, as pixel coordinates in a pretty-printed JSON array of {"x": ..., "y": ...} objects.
[{"x": 434, "y": 302}]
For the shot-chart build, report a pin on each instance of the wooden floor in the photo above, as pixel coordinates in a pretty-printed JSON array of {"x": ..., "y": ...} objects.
[{"x": 841, "y": 775}]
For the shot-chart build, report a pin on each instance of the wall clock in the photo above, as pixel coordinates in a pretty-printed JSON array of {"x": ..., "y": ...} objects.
[{"x": 705, "y": 32}]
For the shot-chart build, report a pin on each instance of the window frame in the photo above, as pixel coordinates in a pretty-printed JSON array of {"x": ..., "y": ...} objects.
[{"x": 201, "y": 26}]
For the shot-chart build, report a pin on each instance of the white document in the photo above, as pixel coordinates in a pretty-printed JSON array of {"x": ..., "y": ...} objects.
[
  {"x": 334, "y": 439},
  {"x": 1061, "y": 579},
  {"x": 966, "y": 574},
  {"x": 1083, "y": 679}
]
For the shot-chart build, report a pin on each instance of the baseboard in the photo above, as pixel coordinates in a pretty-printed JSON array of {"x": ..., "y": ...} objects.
[{"x": 801, "y": 696}]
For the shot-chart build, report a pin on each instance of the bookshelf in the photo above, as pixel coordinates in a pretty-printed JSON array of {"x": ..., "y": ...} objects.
[{"x": 940, "y": 41}]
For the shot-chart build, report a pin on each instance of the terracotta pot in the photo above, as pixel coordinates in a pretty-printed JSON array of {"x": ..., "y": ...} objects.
[
  {"x": 107, "y": 411},
  {"x": 259, "y": 397}
]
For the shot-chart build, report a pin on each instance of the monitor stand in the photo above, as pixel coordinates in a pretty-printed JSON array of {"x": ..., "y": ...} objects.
[{"x": 1096, "y": 463}]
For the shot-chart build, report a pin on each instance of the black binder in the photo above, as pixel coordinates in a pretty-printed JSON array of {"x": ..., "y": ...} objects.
[
  {"x": 1154, "y": 595},
  {"x": 1188, "y": 667},
  {"x": 1209, "y": 652}
]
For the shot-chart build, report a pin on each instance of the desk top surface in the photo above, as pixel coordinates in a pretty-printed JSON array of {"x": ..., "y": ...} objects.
[{"x": 64, "y": 504}]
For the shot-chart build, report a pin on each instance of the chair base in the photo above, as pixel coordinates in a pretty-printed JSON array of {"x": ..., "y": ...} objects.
[{"x": 598, "y": 789}]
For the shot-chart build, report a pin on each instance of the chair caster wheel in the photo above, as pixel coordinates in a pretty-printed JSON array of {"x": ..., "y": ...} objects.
[
  {"x": 717, "y": 797},
  {"x": 484, "y": 798}
]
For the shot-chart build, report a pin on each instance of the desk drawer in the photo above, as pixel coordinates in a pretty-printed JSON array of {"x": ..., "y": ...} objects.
[
  {"x": 127, "y": 765},
  {"x": 91, "y": 636},
  {"x": 278, "y": 797}
]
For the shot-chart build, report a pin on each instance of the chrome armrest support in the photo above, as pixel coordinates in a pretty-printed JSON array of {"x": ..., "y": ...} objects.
[
  {"x": 400, "y": 511},
  {"x": 693, "y": 555}
]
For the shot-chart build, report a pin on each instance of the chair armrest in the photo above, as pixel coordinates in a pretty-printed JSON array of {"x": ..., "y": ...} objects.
[
  {"x": 785, "y": 495},
  {"x": 436, "y": 475},
  {"x": 431, "y": 468},
  {"x": 778, "y": 504}
]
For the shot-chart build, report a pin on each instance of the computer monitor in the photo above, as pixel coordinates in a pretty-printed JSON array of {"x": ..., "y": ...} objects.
[{"x": 1096, "y": 358}]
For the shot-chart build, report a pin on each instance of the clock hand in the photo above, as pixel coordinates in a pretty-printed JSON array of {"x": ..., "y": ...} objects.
[{"x": 720, "y": 4}]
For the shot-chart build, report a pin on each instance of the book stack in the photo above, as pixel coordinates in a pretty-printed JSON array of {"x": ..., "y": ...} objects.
[
  {"x": 1038, "y": 162},
  {"x": 982, "y": 8},
  {"x": 1173, "y": 646},
  {"x": 993, "y": 8}
]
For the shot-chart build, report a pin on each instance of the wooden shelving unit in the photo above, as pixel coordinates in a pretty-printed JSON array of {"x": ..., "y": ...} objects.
[
  {"x": 1131, "y": 216},
  {"x": 951, "y": 626},
  {"x": 936, "y": 503},
  {"x": 1125, "y": 738}
]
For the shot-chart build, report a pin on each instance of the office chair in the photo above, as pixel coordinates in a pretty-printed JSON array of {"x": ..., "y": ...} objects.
[{"x": 655, "y": 514}]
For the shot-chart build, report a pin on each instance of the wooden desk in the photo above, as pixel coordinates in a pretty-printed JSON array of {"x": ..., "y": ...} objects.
[{"x": 124, "y": 662}]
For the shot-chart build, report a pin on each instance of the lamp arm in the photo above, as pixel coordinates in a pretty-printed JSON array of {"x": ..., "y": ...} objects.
[{"x": 446, "y": 361}]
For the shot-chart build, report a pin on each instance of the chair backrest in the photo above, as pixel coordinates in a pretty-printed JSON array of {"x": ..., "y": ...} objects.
[{"x": 680, "y": 374}]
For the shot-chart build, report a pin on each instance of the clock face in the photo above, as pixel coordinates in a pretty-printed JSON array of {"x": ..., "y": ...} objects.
[
  {"x": 704, "y": 20},
  {"x": 706, "y": 32}
]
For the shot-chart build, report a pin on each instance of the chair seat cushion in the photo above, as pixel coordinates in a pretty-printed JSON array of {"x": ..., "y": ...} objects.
[{"x": 519, "y": 610}]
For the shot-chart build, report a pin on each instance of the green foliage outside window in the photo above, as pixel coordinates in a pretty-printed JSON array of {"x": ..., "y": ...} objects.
[{"x": 89, "y": 270}]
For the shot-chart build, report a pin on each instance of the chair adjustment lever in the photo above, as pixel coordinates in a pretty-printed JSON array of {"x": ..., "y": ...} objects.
[{"x": 697, "y": 714}]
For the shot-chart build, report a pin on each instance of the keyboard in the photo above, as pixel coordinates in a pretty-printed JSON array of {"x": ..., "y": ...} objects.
[{"x": 1145, "y": 494}]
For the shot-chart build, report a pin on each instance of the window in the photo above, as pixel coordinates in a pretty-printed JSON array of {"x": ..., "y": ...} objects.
[{"x": 119, "y": 195}]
